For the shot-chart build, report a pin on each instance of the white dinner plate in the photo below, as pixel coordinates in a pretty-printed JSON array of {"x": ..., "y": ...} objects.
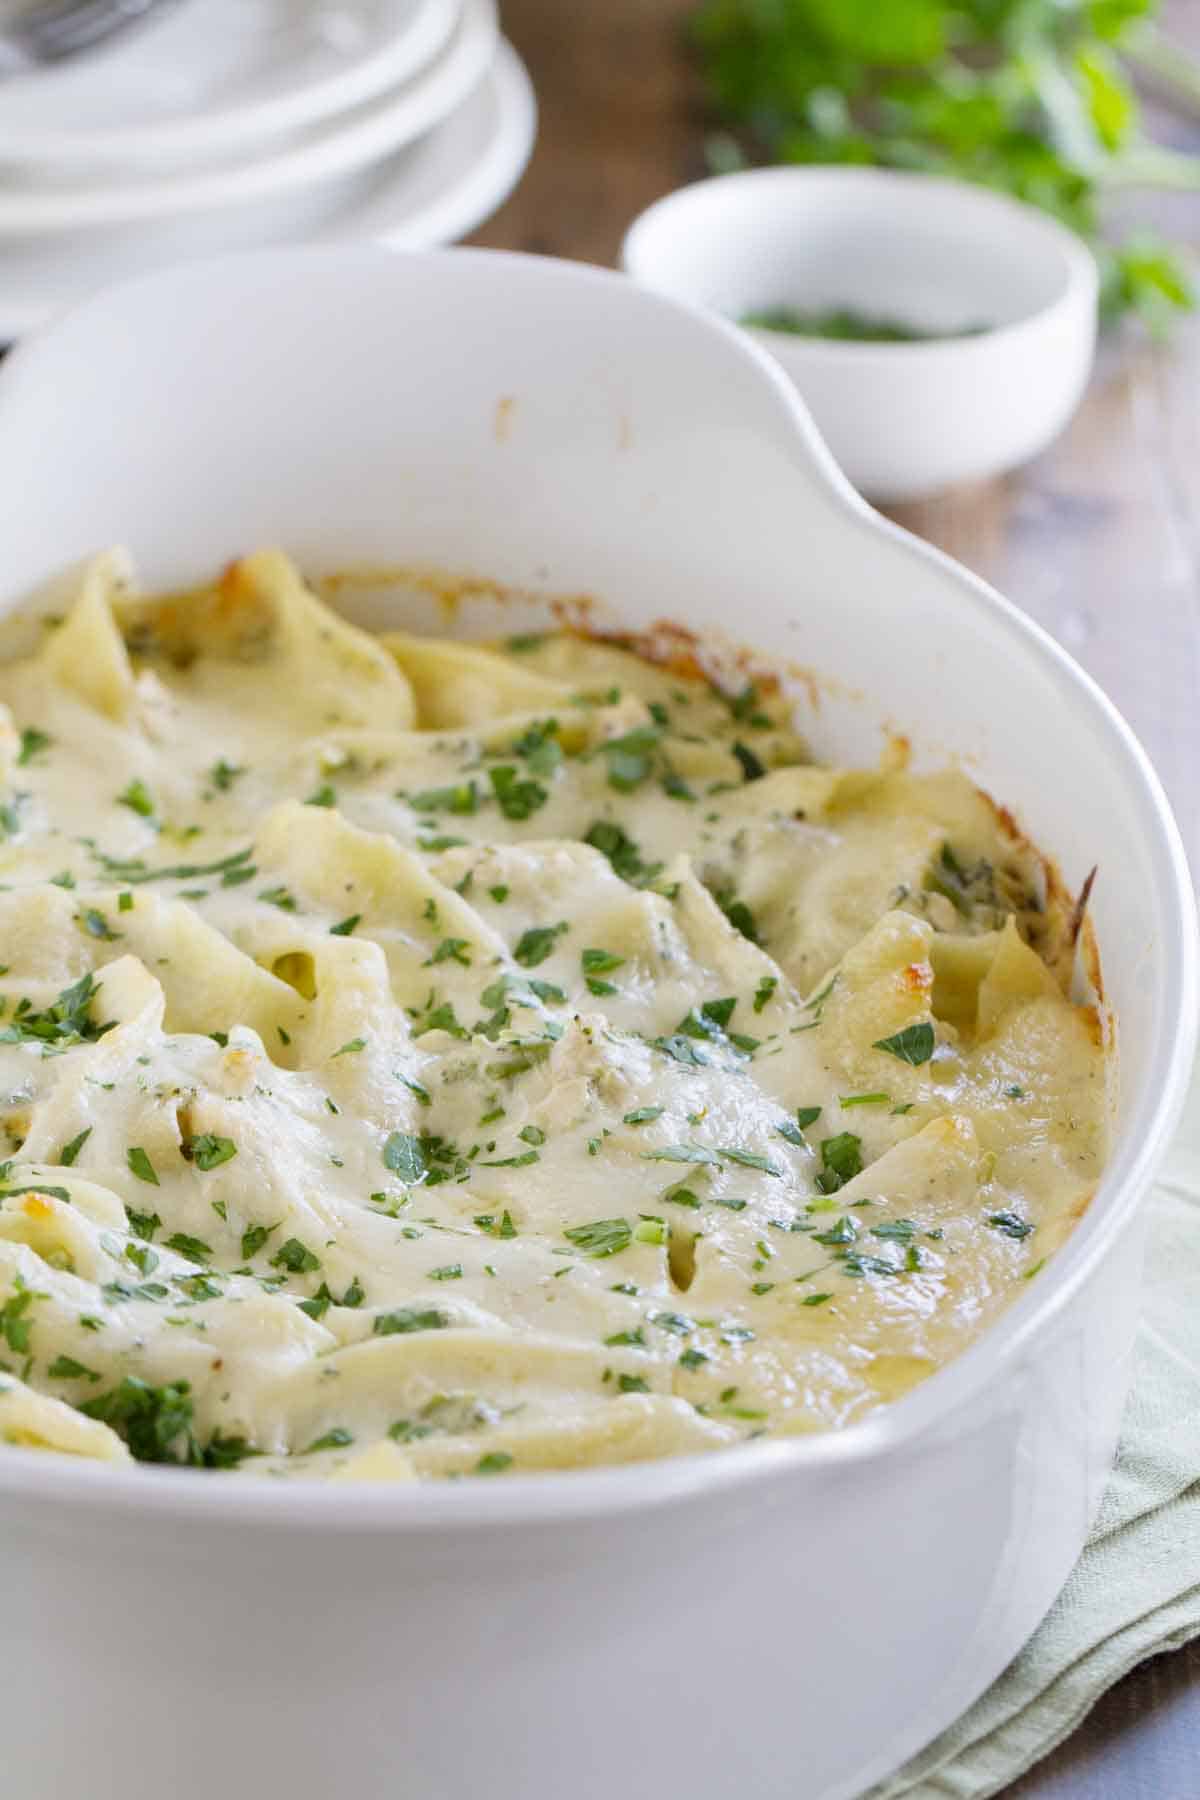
[
  {"x": 338, "y": 149},
  {"x": 430, "y": 193},
  {"x": 211, "y": 77}
]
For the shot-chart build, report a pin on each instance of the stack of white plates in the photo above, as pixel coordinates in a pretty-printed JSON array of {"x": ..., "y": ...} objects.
[{"x": 223, "y": 124}]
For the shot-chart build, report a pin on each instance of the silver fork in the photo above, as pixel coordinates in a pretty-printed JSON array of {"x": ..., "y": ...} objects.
[{"x": 56, "y": 29}]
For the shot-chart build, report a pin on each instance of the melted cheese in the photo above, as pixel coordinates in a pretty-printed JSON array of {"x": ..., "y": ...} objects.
[{"x": 421, "y": 1059}]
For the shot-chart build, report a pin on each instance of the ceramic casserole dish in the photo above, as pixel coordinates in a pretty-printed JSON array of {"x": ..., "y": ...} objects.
[{"x": 787, "y": 1619}]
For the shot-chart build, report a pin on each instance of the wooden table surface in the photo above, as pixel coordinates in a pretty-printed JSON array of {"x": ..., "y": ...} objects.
[{"x": 1099, "y": 540}]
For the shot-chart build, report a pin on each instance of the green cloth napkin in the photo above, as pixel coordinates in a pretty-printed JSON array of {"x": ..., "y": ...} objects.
[{"x": 1136, "y": 1588}]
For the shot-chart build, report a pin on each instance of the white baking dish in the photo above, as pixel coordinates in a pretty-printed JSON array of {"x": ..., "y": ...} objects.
[{"x": 788, "y": 1619}]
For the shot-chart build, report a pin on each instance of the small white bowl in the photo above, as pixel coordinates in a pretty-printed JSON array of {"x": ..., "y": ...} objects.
[{"x": 904, "y": 419}]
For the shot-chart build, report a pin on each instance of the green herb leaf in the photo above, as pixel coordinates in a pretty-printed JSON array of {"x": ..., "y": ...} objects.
[
  {"x": 403, "y": 1319},
  {"x": 140, "y": 1165},
  {"x": 296, "y": 1258},
  {"x": 1010, "y": 1224},
  {"x": 841, "y": 1159},
  {"x": 65, "y": 1368},
  {"x": 535, "y": 945},
  {"x": 155, "y": 1422},
  {"x": 517, "y": 798},
  {"x": 69, "y": 1152},
  {"x": 603, "y": 1237},
  {"x": 137, "y": 798},
  {"x": 209, "y": 1152},
  {"x": 404, "y": 1156},
  {"x": 912, "y": 1045},
  {"x": 253, "y": 1239},
  {"x": 97, "y": 926},
  {"x": 33, "y": 742},
  {"x": 194, "y": 1248}
]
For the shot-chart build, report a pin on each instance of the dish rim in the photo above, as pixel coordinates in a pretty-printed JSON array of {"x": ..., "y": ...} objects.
[{"x": 312, "y": 1504}]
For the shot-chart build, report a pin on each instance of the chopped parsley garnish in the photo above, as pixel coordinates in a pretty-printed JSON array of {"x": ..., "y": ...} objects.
[
  {"x": 843, "y": 1232},
  {"x": 414, "y": 1087},
  {"x": 461, "y": 798},
  {"x": 345, "y": 927},
  {"x": 295, "y": 1257},
  {"x": 69, "y": 1152},
  {"x": 535, "y": 945},
  {"x": 33, "y": 742},
  {"x": 14, "y": 1323},
  {"x": 600, "y": 962},
  {"x": 137, "y": 798},
  {"x": 63, "y": 1023},
  {"x": 209, "y": 1152},
  {"x": 135, "y": 871},
  {"x": 674, "y": 1322},
  {"x": 194, "y": 1248},
  {"x": 143, "y": 1225},
  {"x": 96, "y": 925},
  {"x": 447, "y": 1272},
  {"x": 452, "y": 949},
  {"x": 403, "y": 1319},
  {"x": 224, "y": 774},
  {"x": 516, "y": 797},
  {"x": 322, "y": 796},
  {"x": 682, "y": 1153},
  {"x": 494, "y": 1463},
  {"x": 253, "y": 1239},
  {"x": 140, "y": 1165},
  {"x": 748, "y": 1159},
  {"x": 540, "y": 747},
  {"x": 630, "y": 757},
  {"x": 848, "y": 1100},
  {"x": 603, "y": 1237},
  {"x": 442, "y": 1018},
  {"x": 280, "y": 897},
  {"x": 337, "y": 1439},
  {"x": 763, "y": 992},
  {"x": 1010, "y": 1224},
  {"x": 692, "y": 1359},
  {"x": 913, "y": 1045},
  {"x": 738, "y": 914},
  {"x": 806, "y": 1116},
  {"x": 753, "y": 768},
  {"x": 841, "y": 1161},
  {"x": 404, "y": 1156},
  {"x": 632, "y": 1384},
  {"x": 501, "y": 1228},
  {"x": 350, "y": 1048},
  {"x": 682, "y": 1050},
  {"x": 643, "y": 1115},
  {"x": 65, "y": 1368},
  {"x": 155, "y": 1422},
  {"x": 622, "y": 853}
]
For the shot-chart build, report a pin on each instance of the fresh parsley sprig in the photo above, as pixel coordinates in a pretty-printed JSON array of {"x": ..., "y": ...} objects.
[{"x": 1032, "y": 97}]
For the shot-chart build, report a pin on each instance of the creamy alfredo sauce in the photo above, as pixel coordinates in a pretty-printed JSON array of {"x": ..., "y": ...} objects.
[{"x": 429, "y": 1059}]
